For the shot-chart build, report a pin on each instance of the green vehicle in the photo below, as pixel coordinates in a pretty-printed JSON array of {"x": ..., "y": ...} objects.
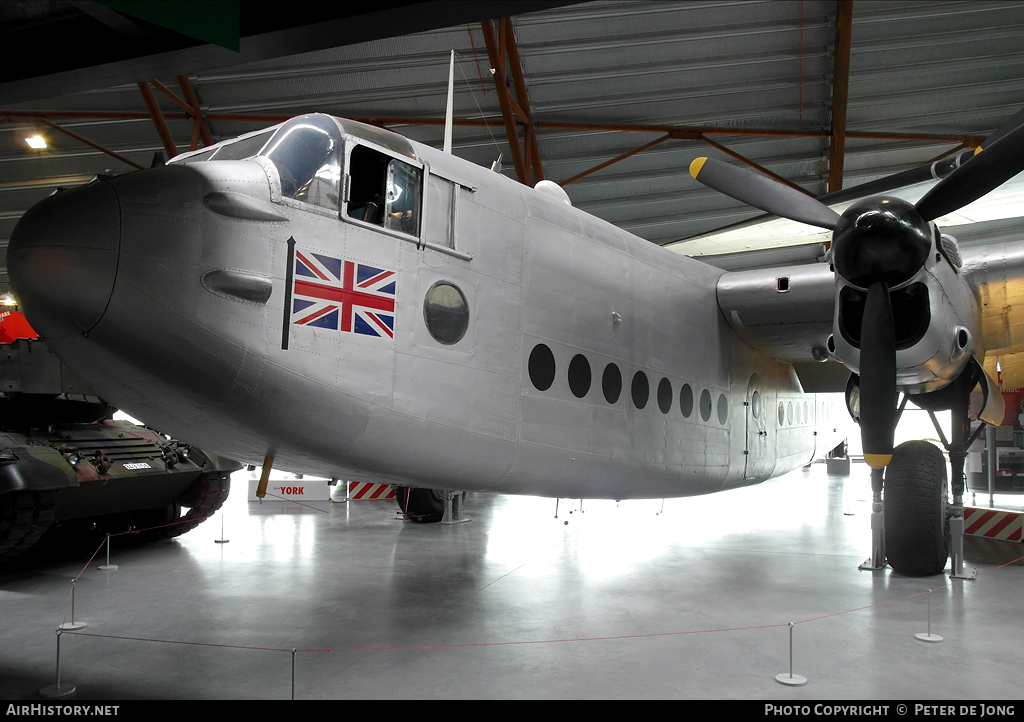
[{"x": 67, "y": 466}]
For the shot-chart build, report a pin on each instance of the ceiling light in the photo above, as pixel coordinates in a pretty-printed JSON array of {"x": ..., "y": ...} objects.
[{"x": 36, "y": 141}]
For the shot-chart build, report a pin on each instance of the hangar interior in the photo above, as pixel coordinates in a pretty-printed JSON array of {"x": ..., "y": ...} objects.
[{"x": 612, "y": 100}]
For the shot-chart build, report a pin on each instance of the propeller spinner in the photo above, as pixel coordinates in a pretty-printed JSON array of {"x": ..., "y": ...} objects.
[{"x": 878, "y": 244}]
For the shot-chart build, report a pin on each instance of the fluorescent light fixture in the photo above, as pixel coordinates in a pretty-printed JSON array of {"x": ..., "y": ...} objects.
[{"x": 35, "y": 141}]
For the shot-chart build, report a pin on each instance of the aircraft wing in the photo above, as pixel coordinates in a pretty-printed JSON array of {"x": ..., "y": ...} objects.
[
  {"x": 786, "y": 313},
  {"x": 996, "y": 272}
]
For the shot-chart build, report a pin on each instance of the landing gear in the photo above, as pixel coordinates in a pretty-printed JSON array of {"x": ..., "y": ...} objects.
[
  {"x": 916, "y": 530},
  {"x": 920, "y": 528},
  {"x": 422, "y": 505},
  {"x": 432, "y": 505}
]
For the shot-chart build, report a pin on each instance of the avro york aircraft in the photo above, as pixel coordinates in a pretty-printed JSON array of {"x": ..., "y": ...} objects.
[{"x": 353, "y": 304}]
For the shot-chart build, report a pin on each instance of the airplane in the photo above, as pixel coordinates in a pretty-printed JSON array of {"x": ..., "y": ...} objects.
[{"x": 334, "y": 299}]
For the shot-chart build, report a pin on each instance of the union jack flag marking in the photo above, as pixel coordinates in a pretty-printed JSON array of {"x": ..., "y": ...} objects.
[{"x": 343, "y": 295}]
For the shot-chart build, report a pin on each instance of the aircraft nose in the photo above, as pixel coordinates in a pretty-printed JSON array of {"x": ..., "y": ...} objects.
[{"x": 62, "y": 259}]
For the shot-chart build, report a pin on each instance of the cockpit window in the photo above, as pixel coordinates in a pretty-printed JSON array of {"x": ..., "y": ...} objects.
[
  {"x": 243, "y": 148},
  {"x": 384, "y": 191},
  {"x": 307, "y": 153}
]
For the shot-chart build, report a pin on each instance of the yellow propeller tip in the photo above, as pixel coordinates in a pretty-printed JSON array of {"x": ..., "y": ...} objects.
[
  {"x": 696, "y": 165},
  {"x": 877, "y": 461},
  {"x": 978, "y": 150}
]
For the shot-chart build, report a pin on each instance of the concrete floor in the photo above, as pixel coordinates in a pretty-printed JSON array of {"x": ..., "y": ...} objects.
[{"x": 618, "y": 603}]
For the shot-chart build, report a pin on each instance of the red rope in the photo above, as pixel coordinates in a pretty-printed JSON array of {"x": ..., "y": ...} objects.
[{"x": 538, "y": 641}]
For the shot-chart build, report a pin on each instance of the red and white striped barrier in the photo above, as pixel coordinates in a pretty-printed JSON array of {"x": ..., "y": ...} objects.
[
  {"x": 993, "y": 523},
  {"x": 358, "y": 491}
]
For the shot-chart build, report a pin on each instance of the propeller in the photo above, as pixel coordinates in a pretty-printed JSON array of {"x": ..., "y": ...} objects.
[{"x": 878, "y": 244}]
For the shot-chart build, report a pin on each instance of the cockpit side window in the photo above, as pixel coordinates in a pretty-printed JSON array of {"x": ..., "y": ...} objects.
[
  {"x": 243, "y": 148},
  {"x": 384, "y": 191},
  {"x": 307, "y": 154}
]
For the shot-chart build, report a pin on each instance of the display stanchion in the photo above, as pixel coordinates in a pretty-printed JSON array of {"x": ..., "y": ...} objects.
[
  {"x": 928, "y": 636},
  {"x": 73, "y": 624},
  {"x": 792, "y": 680},
  {"x": 222, "y": 540},
  {"x": 57, "y": 689},
  {"x": 108, "y": 567}
]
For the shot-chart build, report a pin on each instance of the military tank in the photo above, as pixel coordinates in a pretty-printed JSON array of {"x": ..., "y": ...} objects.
[{"x": 68, "y": 467}]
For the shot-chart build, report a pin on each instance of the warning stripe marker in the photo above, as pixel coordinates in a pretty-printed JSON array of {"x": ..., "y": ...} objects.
[
  {"x": 358, "y": 490},
  {"x": 994, "y": 523}
]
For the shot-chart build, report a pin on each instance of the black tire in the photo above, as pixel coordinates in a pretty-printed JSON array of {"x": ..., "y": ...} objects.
[
  {"x": 916, "y": 531},
  {"x": 422, "y": 505},
  {"x": 24, "y": 517},
  {"x": 205, "y": 496}
]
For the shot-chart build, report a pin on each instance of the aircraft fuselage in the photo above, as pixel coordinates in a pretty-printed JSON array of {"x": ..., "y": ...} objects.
[{"x": 217, "y": 303}]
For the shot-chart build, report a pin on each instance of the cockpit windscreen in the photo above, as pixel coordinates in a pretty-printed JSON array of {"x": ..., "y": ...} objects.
[{"x": 307, "y": 154}]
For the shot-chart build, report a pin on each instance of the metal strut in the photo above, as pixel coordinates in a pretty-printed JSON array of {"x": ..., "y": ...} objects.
[{"x": 957, "y": 448}]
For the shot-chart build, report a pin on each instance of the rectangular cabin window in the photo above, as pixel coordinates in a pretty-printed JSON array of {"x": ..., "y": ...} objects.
[
  {"x": 384, "y": 191},
  {"x": 439, "y": 214}
]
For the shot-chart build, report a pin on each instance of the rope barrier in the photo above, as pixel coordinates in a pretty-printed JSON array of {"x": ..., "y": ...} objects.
[{"x": 541, "y": 641}]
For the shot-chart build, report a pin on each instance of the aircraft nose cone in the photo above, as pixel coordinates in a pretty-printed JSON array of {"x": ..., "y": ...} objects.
[{"x": 62, "y": 259}]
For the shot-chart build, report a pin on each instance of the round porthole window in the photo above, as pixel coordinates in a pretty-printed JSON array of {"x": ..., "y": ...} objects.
[
  {"x": 665, "y": 396},
  {"x": 579, "y": 376},
  {"x": 723, "y": 409},
  {"x": 611, "y": 383},
  {"x": 686, "y": 400},
  {"x": 705, "y": 405},
  {"x": 640, "y": 389},
  {"x": 542, "y": 367},
  {"x": 446, "y": 313}
]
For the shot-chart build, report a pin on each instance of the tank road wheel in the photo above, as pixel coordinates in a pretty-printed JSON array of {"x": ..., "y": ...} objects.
[
  {"x": 24, "y": 518},
  {"x": 422, "y": 505},
  {"x": 205, "y": 496},
  {"x": 916, "y": 540}
]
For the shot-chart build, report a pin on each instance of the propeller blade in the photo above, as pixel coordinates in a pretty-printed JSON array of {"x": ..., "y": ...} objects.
[
  {"x": 983, "y": 173},
  {"x": 1014, "y": 122},
  {"x": 762, "y": 192},
  {"x": 877, "y": 377}
]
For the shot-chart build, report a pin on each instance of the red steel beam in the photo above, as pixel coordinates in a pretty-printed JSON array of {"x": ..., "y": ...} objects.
[
  {"x": 158, "y": 119},
  {"x": 495, "y": 53},
  {"x": 755, "y": 166},
  {"x": 679, "y": 132},
  {"x": 197, "y": 112},
  {"x": 616, "y": 159},
  {"x": 840, "y": 93},
  {"x": 170, "y": 94},
  {"x": 516, "y": 66},
  {"x": 89, "y": 143}
]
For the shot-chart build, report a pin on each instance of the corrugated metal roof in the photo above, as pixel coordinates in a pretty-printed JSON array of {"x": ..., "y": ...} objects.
[{"x": 922, "y": 67}]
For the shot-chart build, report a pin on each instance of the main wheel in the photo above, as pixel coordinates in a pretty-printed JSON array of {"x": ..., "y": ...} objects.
[
  {"x": 916, "y": 532},
  {"x": 422, "y": 505}
]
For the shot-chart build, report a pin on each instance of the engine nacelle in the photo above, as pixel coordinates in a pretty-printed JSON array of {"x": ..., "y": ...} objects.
[{"x": 935, "y": 315}]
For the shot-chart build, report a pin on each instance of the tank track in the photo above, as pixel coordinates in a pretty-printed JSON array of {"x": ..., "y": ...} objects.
[
  {"x": 24, "y": 517},
  {"x": 212, "y": 492}
]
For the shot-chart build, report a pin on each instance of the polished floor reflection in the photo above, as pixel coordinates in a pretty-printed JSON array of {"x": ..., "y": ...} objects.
[{"x": 605, "y": 601}]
